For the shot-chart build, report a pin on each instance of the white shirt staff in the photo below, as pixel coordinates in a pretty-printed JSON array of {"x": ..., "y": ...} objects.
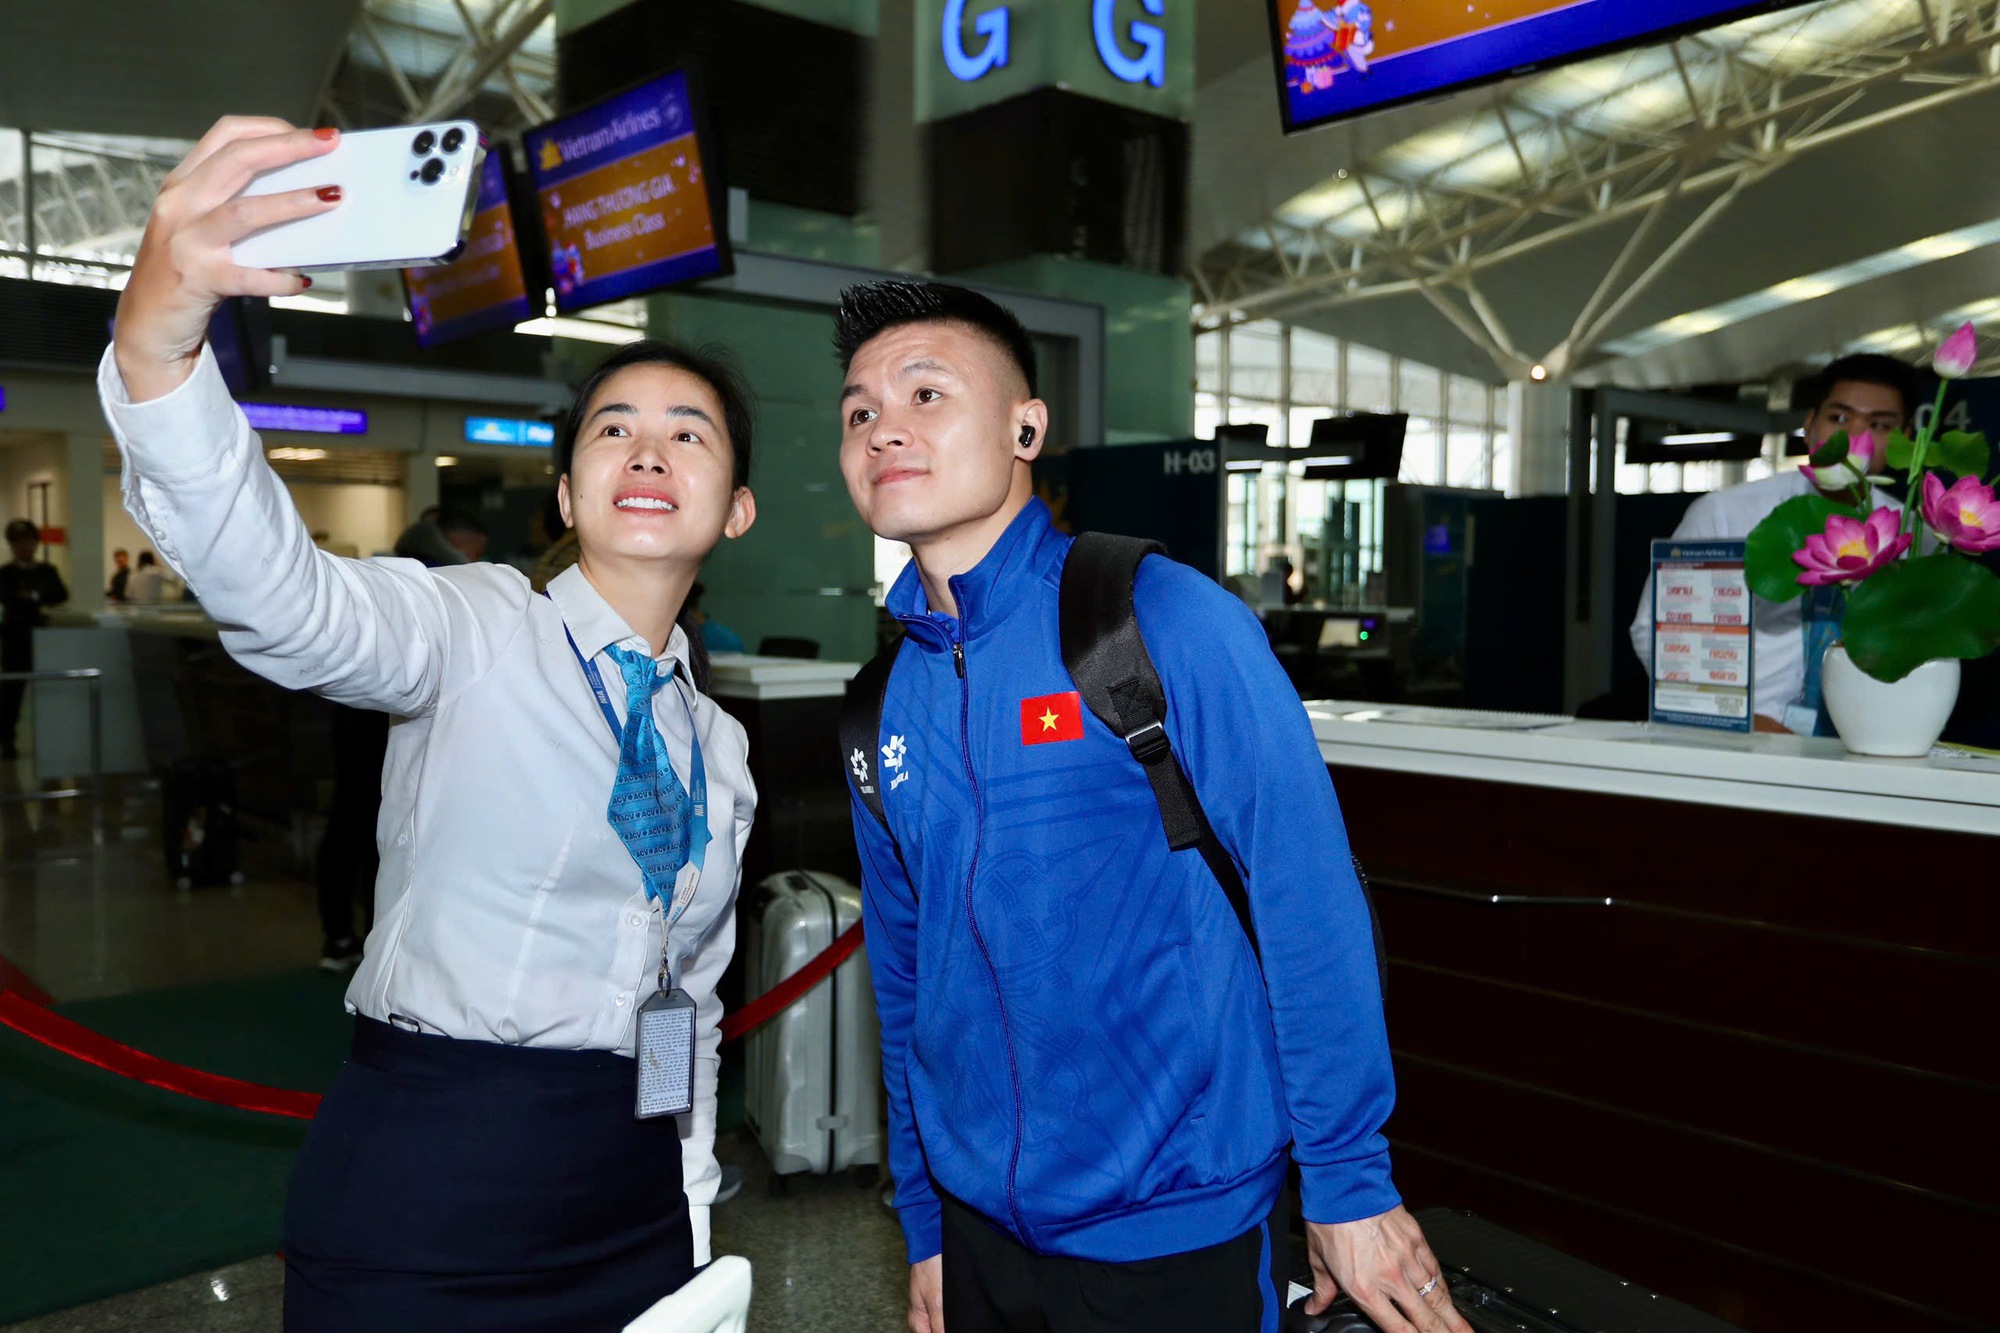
[{"x": 479, "y": 1156}]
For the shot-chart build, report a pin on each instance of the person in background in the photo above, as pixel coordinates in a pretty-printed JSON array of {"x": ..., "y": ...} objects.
[
  {"x": 148, "y": 584},
  {"x": 560, "y": 554},
  {"x": 424, "y": 541},
  {"x": 1094, "y": 1091},
  {"x": 465, "y": 533},
  {"x": 121, "y": 572},
  {"x": 563, "y": 823},
  {"x": 344, "y": 871},
  {"x": 715, "y": 636},
  {"x": 28, "y": 587},
  {"x": 1863, "y": 394}
]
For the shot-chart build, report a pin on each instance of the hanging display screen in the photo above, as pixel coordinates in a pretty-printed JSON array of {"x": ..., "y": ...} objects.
[
  {"x": 629, "y": 202},
  {"x": 1342, "y": 58}
]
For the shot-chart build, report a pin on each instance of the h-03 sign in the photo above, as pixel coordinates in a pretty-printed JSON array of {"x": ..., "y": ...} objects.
[
  {"x": 994, "y": 28},
  {"x": 1188, "y": 462}
]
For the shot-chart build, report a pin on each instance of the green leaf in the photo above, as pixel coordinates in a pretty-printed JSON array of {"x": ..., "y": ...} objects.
[
  {"x": 1964, "y": 453},
  {"x": 1902, "y": 450},
  {"x": 1773, "y": 574},
  {"x": 1918, "y": 610},
  {"x": 1833, "y": 453}
]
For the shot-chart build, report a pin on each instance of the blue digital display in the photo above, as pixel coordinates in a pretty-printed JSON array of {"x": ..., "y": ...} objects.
[
  {"x": 509, "y": 430},
  {"x": 1342, "y": 58},
  {"x": 307, "y": 420},
  {"x": 628, "y": 203},
  {"x": 486, "y": 287}
]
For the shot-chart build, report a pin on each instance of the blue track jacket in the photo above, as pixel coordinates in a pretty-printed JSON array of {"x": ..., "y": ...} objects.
[{"x": 1076, "y": 1039}]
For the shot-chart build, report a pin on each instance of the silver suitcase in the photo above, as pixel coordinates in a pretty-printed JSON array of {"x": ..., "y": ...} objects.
[{"x": 815, "y": 1070}]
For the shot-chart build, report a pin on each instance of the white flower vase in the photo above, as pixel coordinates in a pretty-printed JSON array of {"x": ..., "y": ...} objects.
[{"x": 1900, "y": 720}]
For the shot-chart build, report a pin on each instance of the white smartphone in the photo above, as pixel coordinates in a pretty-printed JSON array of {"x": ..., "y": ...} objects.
[{"x": 407, "y": 197}]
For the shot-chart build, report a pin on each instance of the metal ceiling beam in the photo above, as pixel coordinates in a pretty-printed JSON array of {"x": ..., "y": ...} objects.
[
  {"x": 451, "y": 94},
  {"x": 1738, "y": 121}
]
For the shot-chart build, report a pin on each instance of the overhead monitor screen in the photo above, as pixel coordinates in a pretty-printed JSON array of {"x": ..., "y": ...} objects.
[
  {"x": 1342, "y": 58},
  {"x": 629, "y": 203},
  {"x": 486, "y": 286}
]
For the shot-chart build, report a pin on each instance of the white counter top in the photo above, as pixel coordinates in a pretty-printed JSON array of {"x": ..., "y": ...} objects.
[
  {"x": 746, "y": 676},
  {"x": 1788, "y": 774}
]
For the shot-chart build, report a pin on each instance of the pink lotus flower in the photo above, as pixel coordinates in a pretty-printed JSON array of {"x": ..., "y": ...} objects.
[
  {"x": 1966, "y": 517},
  {"x": 1954, "y": 359},
  {"x": 1851, "y": 549},
  {"x": 1864, "y": 456}
]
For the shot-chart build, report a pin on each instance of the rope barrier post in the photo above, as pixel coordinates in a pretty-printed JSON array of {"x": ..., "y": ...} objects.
[{"x": 95, "y": 683}]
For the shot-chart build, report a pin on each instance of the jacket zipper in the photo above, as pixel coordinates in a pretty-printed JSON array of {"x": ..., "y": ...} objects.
[{"x": 979, "y": 936}]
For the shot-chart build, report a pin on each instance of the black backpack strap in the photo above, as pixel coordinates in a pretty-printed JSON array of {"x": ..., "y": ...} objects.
[
  {"x": 1107, "y": 660},
  {"x": 861, "y": 729}
]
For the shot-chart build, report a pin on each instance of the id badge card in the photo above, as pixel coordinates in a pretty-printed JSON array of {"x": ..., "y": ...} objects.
[{"x": 664, "y": 1051}]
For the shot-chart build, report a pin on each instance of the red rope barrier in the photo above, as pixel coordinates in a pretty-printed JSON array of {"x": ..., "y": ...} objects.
[
  {"x": 51, "y": 1029},
  {"x": 79, "y": 1042},
  {"x": 787, "y": 992}
]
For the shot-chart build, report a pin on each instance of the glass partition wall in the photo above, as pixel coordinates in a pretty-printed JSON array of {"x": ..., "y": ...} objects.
[{"x": 1285, "y": 378}]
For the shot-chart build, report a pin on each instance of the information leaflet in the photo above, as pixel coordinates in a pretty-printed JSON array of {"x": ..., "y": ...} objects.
[{"x": 1701, "y": 635}]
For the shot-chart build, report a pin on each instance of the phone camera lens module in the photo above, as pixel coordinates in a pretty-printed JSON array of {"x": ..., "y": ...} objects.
[
  {"x": 433, "y": 169},
  {"x": 425, "y": 139},
  {"x": 454, "y": 139}
]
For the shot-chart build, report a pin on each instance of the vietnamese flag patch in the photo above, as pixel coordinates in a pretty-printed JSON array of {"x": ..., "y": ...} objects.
[{"x": 1052, "y": 717}]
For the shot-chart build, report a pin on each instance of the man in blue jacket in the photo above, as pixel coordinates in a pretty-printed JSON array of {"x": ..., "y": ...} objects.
[{"x": 1093, "y": 1090}]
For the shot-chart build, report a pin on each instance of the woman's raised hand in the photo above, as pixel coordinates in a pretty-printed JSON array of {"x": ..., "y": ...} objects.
[{"x": 184, "y": 269}]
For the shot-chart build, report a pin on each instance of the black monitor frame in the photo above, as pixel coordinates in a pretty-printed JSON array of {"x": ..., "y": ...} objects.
[
  {"x": 1657, "y": 36},
  {"x": 715, "y": 181}
]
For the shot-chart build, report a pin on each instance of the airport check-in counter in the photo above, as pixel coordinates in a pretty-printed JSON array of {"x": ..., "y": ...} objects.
[
  {"x": 170, "y": 692},
  {"x": 1714, "y": 1014},
  {"x": 790, "y": 711}
]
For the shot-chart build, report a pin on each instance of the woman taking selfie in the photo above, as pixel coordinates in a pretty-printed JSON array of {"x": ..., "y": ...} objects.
[{"x": 563, "y": 812}]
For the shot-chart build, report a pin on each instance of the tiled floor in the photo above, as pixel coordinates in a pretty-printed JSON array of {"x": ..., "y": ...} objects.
[{"x": 87, "y": 917}]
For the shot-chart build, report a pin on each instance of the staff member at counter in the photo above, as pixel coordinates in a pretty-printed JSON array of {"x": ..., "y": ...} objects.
[
  {"x": 27, "y": 587},
  {"x": 477, "y": 1163},
  {"x": 1867, "y": 394}
]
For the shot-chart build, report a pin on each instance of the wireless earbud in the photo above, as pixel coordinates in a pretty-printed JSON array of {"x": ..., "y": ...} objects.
[{"x": 1027, "y": 436}]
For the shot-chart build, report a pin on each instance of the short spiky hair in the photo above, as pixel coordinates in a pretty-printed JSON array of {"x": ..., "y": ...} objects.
[{"x": 870, "y": 309}]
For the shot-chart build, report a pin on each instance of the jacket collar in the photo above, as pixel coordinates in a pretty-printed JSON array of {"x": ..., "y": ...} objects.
[
  {"x": 1029, "y": 549},
  {"x": 595, "y": 626}
]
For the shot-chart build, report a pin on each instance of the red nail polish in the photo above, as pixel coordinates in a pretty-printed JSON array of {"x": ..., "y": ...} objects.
[
  {"x": 325, "y": 132},
  {"x": 304, "y": 282},
  {"x": 328, "y": 194}
]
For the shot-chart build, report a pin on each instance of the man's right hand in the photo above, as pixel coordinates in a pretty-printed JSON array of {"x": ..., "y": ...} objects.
[
  {"x": 184, "y": 269},
  {"x": 927, "y": 1295}
]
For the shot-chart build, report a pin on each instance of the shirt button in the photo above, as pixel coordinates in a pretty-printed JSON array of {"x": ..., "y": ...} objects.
[
  {"x": 622, "y": 999},
  {"x": 635, "y": 919}
]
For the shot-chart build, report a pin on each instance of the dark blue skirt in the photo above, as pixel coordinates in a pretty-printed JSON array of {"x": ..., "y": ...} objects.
[{"x": 451, "y": 1185}]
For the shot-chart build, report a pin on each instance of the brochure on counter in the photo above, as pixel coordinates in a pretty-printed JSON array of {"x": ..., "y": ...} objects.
[{"x": 1702, "y": 641}]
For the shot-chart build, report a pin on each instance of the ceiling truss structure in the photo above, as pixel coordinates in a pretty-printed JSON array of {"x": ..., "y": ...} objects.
[
  {"x": 437, "y": 61},
  {"x": 90, "y": 195},
  {"x": 1725, "y": 120},
  {"x": 90, "y": 200}
]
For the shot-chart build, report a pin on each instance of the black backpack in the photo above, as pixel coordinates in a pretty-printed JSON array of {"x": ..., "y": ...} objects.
[{"x": 1107, "y": 660}]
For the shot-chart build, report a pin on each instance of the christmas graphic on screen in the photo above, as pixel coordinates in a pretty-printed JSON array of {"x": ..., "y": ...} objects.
[{"x": 1342, "y": 58}]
